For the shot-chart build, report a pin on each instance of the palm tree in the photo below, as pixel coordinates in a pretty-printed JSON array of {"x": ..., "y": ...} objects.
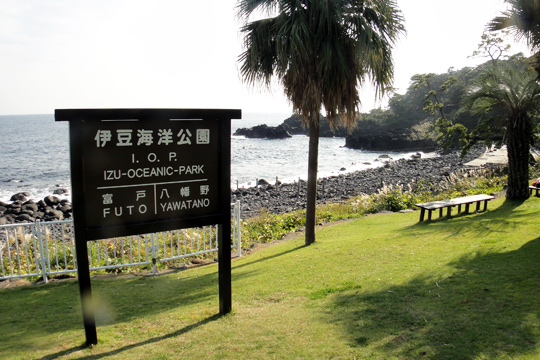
[
  {"x": 320, "y": 51},
  {"x": 512, "y": 91},
  {"x": 523, "y": 20}
]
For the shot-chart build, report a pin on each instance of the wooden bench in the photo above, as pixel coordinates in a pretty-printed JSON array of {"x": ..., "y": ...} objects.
[
  {"x": 533, "y": 188},
  {"x": 441, "y": 204}
]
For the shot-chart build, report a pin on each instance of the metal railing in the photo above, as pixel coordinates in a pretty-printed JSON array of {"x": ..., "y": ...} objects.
[{"x": 44, "y": 249}]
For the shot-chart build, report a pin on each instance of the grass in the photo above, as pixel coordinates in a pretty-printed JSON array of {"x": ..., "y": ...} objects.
[{"x": 379, "y": 287}]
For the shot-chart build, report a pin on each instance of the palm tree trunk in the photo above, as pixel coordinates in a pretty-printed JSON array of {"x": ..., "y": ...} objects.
[
  {"x": 312, "y": 181},
  {"x": 518, "y": 161}
]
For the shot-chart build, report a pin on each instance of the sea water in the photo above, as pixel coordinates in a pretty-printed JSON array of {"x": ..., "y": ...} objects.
[{"x": 34, "y": 155}]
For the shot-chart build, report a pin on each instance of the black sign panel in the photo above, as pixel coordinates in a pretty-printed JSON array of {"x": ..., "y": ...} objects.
[
  {"x": 147, "y": 170},
  {"x": 136, "y": 172}
]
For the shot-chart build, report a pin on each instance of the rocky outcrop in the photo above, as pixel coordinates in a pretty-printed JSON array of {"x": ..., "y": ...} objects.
[
  {"x": 290, "y": 126},
  {"x": 264, "y": 132},
  {"x": 294, "y": 126},
  {"x": 389, "y": 140}
]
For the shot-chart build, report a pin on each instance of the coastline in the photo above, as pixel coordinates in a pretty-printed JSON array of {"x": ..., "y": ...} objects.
[
  {"x": 404, "y": 172},
  {"x": 284, "y": 198}
]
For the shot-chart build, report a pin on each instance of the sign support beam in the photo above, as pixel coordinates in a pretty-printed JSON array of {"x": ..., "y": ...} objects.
[{"x": 224, "y": 230}]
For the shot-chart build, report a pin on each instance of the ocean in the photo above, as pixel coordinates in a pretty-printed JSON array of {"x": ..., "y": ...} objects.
[{"x": 34, "y": 155}]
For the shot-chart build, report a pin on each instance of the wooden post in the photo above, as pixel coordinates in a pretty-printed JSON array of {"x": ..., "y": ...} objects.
[{"x": 224, "y": 229}]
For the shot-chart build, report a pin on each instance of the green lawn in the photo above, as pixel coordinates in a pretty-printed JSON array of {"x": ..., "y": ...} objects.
[{"x": 382, "y": 287}]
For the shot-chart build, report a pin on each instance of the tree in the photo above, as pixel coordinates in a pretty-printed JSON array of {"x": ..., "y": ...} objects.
[
  {"x": 320, "y": 51},
  {"x": 448, "y": 132},
  {"x": 510, "y": 89},
  {"x": 523, "y": 21}
]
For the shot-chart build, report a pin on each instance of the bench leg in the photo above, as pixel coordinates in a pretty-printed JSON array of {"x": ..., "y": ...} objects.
[
  {"x": 485, "y": 205},
  {"x": 441, "y": 212},
  {"x": 429, "y": 215},
  {"x": 478, "y": 206},
  {"x": 467, "y": 208},
  {"x": 449, "y": 211},
  {"x": 422, "y": 211},
  {"x": 459, "y": 208}
]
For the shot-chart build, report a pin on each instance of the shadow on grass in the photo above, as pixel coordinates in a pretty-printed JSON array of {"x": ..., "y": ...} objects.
[
  {"x": 132, "y": 346},
  {"x": 37, "y": 312},
  {"x": 266, "y": 258},
  {"x": 488, "y": 308}
]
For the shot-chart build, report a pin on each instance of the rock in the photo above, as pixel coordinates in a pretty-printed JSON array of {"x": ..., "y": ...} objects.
[
  {"x": 380, "y": 139},
  {"x": 264, "y": 132},
  {"x": 30, "y": 206},
  {"x": 54, "y": 215},
  {"x": 24, "y": 217},
  {"x": 294, "y": 126},
  {"x": 262, "y": 182},
  {"x": 65, "y": 209},
  {"x": 12, "y": 211},
  {"x": 3, "y": 220},
  {"x": 51, "y": 200},
  {"x": 18, "y": 197},
  {"x": 60, "y": 191}
]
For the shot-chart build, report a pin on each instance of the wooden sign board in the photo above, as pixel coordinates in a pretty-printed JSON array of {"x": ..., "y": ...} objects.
[{"x": 139, "y": 171}]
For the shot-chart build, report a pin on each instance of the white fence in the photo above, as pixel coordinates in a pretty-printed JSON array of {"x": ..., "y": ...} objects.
[{"x": 44, "y": 249}]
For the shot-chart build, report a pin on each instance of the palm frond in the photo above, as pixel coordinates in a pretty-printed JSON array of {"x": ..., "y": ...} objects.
[
  {"x": 245, "y": 8},
  {"x": 523, "y": 21}
]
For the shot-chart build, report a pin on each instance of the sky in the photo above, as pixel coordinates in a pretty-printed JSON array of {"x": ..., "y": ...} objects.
[{"x": 58, "y": 54}]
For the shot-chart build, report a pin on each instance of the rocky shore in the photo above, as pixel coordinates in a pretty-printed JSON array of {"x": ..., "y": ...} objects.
[
  {"x": 289, "y": 197},
  {"x": 281, "y": 198}
]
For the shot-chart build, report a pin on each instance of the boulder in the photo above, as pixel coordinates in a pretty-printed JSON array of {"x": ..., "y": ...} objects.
[
  {"x": 30, "y": 206},
  {"x": 19, "y": 197},
  {"x": 51, "y": 200},
  {"x": 65, "y": 208},
  {"x": 54, "y": 215},
  {"x": 24, "y": 218}
]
